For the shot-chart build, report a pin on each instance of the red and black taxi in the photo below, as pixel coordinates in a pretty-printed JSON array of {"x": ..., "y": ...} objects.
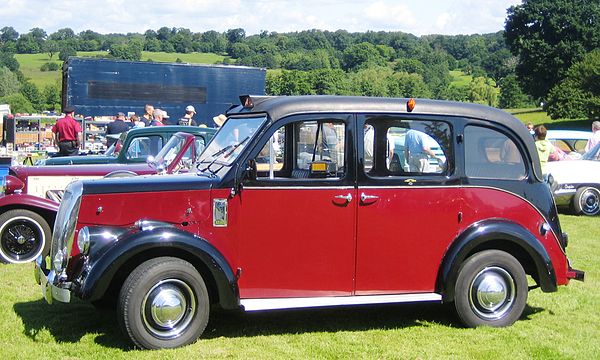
[{"x": 318, "y": 201}]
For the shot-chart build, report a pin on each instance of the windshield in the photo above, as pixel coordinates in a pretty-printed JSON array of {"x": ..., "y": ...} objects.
[
  {"x": 229, "y": 141},
  {"x": 171, "y": 149}
]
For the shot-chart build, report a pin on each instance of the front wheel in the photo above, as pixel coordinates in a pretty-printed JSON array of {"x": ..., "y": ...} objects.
[
  {"x": 587, "y": 201},
  {"x": 24, "y": 235},
  {"x": 491, "y": 289},
  {"x": 163, "y": 303}
]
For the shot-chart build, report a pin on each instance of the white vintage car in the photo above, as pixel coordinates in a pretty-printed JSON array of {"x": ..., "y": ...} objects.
[{"x": 576, "y": 183}]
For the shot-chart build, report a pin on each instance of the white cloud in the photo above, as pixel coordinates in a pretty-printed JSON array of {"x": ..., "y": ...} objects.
[{"x": 122, "y": 16}]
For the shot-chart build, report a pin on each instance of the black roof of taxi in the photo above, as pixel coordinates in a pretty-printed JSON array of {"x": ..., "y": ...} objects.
[{"x": 281, "y": 106}]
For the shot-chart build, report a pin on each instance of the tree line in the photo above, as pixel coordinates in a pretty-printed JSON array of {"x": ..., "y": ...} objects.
[{"x": 545, "y": 54}]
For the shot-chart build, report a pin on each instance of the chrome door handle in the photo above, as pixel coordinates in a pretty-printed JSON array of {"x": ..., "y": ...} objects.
[
  {"x": 348, "y": 197},
  {"x": 364, "y": 198}
]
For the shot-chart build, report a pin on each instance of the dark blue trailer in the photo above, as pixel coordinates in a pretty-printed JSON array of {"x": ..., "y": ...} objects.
[{"x": 102, "y": 87}]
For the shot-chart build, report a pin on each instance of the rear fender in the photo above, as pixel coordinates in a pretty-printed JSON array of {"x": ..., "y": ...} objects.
[
  {"x": 498, "y": 234},
  {"x": 121, "y": 256}
]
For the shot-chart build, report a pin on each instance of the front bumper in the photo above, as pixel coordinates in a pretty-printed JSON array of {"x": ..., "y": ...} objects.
[
  {"x": 51, "y": 286},
  {"x": 564, "y": 197}
]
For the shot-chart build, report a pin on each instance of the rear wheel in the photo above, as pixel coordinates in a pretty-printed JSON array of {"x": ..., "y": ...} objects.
[
  {"x": 24, "y": 235},
  {"x": 587, "y": 201},
  {"x": 491, "y": 289},
  {"x": 163, "y": 304}
]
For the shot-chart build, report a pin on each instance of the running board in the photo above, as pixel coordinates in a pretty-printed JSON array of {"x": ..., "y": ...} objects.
[{"x": 308, "y": 302}]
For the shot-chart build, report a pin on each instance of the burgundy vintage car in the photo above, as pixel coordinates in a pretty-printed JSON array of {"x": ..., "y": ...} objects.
[
  {"x": 32, "y": 194},
  {"x": 318, "y": 201}
]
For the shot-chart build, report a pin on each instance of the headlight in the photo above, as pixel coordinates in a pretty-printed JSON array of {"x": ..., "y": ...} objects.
[
  {"x": 58, "y": 260},
  {"x": 83, "y": 240}
]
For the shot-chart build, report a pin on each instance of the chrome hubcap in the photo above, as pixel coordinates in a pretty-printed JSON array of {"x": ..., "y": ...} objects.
[
  {"x": 590, "y": 201},
  {"x": 492, "y": 292},
  {"x": 168, "y": 308}
]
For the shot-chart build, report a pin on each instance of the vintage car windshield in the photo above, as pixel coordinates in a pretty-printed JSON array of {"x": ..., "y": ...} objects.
[
  {"x": 169, "y": 152},
  {"x": 229, "y": 142}
]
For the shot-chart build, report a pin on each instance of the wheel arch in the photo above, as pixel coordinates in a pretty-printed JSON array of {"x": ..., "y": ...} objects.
[
  {"x": 107, "y": 273},
  {"x": 500, "y": 235}
]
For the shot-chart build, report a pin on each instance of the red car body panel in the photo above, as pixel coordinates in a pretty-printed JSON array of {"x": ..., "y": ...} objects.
[{"x": 26, "y": 201}]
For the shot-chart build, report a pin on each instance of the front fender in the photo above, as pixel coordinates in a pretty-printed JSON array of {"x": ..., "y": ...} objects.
[
  {"x": 134, "y": 248},
  {"x": 504, "y": 235},
  {"x": 28, "y": 201}
]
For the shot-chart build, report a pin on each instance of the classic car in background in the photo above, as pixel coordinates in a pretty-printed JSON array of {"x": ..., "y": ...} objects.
[
  {"x": 576, "y": 183},
  {"x": 569, "y": 140},
  {"x": 133, "y": 146},
  {"x": 32, "y": 193}
]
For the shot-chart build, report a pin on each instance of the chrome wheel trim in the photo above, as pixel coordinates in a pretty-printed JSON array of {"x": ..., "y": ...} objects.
[
  {"x": 15, "y": 246},
  {"x": 168, "y": 308},
  {"x": 492, "y": 293},
  {"x": 589, "y": 201}
]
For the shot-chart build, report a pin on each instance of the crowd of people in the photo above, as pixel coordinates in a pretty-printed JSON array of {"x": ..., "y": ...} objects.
[{"x": 68, "y": 133}]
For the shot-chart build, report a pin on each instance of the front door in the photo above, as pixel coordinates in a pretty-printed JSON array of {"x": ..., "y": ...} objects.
[
  {"x": 297, "y": 214},
  {"x": 408, "y": 204}
]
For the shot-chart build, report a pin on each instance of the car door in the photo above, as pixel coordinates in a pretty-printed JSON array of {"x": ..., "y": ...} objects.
[
  {"x": 408, "y": 203},
  {"x": 298, "y": 213}
]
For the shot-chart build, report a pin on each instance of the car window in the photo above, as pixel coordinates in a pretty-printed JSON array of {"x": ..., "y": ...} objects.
[
  {"x": 304, "y": 150},
  {"x": 491, "y": 154},
  {"x": 141, "y": 147},
  {"x": 396, "y": 146},
  {"x": 563, "y": 145}
]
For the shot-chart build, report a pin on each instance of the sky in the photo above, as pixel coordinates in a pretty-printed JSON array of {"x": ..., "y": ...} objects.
[{"x": 418, "y": 17}]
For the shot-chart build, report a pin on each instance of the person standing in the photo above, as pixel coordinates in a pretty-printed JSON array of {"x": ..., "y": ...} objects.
[
  {"x": 543, "y": 146},
  {"x": 67, "y": 134},
  {"x": 187, "y": 119},
  {"x": 116, "y": 127},
  {"x": 159, "y": 117},
  {"x": 148, "y": 116},
  {"x": 595, "y": 136},
  {"x": 416, "y": 151}
]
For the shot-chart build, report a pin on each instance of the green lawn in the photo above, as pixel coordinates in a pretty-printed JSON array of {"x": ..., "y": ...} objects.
[
  {"x": 30, "y": 63},
  {"x": 459, "y": 78},
  {"x": 562, "y": 325},
  {"x": 539, "y": 116}
]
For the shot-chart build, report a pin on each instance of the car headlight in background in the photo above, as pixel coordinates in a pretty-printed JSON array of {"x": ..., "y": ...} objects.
[
  {"x": 83, "y": 240},
  {"x": 13, "y": 185}
]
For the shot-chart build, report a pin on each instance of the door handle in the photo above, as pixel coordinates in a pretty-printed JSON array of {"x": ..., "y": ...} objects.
[
  {"x": 346, "y": 198},
  {"x": 368, "y": 199}
]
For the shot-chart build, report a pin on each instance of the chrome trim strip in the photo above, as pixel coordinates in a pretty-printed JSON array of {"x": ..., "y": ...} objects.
[{"x": 308, "y": 302}]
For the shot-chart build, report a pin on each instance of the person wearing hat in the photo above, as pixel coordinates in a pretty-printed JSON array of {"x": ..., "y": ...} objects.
[
  {"x": 116, "y": 127},
  {"x": 220, "y": 120},
  {"x": 159, "y": 116},
  {"x": 67, "y": 134},
  {"x": 187, "y": 119}
]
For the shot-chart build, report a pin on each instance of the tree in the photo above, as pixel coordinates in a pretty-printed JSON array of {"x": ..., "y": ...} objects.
[
  {"x": 33, "y": 95},
  {"x": 130, "y": 51},
  {"x": 578, "y": 96},
  {"x": 511, "y": 95},
  {"x": 26, "y": 44},
  {"x": 51, "y": 96},
  {"x": 8, "y": 60},
  {"x": 62, "y": 34},
  {"x": 235, "y": 35},
  {"x": 549, "y": 37},
  {"x": 9, "y": 83},
  {"x": 51, "y": 47},
  {"x": 361, "y": 56},
  {"x": 66, "y": 51},
  {"x": 483, "y": 92},
  {"x": 18, "y": 103},
  {"x": 8, "y": 33}
]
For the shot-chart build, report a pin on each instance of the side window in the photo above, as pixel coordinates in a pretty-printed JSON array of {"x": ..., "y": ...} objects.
[
  {"x": 141, "y": 147},
  {"x": 490, "y": 154},
  {"x": 304, "y": 150},
  {"x": 395, "y": 146}
]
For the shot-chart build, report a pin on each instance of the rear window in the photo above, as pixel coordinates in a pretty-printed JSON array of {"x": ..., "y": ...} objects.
[{"x": 490, "y": 154}]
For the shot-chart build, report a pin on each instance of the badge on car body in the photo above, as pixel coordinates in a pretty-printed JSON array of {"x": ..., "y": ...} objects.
[{"x": 220, "y": 212}]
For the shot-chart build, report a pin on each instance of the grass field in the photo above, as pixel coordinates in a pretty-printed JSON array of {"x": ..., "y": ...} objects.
[
  {"x": 30, "y": 63},
  {"x": 562, "y": 325}
]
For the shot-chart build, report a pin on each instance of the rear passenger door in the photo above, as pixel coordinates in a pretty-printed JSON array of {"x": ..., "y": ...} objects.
[{"x": 408, "y": 202}]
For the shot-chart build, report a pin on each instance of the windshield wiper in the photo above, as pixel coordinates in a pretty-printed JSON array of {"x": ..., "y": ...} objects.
[{"x": 227, "y": 150}]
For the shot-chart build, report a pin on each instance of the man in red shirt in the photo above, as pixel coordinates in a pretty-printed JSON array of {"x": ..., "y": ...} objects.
[{"x": 67, "y": 134}]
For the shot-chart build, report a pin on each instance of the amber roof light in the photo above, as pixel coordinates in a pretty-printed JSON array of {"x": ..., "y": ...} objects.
[{"x": 410, "y": 104}]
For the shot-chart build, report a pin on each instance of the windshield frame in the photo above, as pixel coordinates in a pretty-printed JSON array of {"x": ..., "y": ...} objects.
[{"x": 229, "y": 142}]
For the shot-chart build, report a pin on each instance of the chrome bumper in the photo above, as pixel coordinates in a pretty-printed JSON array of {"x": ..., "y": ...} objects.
[
  {"x": 563, "y": 197},
  {"x": 49, "y": 285}
]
